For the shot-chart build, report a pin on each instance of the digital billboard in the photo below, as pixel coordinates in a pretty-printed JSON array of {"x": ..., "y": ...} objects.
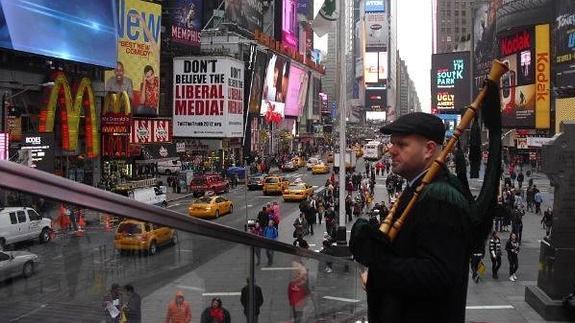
[
  {"x": 374, "y": 5},
  {"x": 375, "y": 69},
  {"x": 375, "y": 99},
  {"x": 275, "y": 89},
  {"x": 450, "y": 82},
  {"x": 137, "y": 71},
  {"x": 297, "y": 91},
  {"x": 525, "y": 88},
  {"x": 485, "y": 50},
  {"x": 564, "y": 39},
  {"x": 247, "y": 14},
  {"x": 59, "y": 29},
  {"x": 208, "y": 97},
  {"x": 185, "y": 22},
  {"x": 257, "y": 85},
  {"x": 376, "y": 31},
  {"x": 290, "y": 25}
]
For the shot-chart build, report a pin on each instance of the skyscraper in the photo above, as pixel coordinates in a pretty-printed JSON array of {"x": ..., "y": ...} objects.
[{"x": 452, "y": 24}]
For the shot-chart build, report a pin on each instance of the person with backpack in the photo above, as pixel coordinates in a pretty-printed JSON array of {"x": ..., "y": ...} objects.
[{"x": 270, "y": 232}]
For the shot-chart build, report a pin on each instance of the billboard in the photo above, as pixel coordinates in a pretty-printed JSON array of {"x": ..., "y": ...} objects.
[
  {"x": 257, "y": 85},
  {"x": 483, "y": 42},
  {"x": 297, "y": 91},
  {"x": 150, "y": 131},
  {"x": 247, "y": 14},
  {"x": 275, "y": 89},
  {"x": 525, "y": 88},
  {"x": 290, "y": 25},
  {"x": 208, "y": 97},
  {"x": 58, "y": 29},
  {"x": 185, "y": 22},
  {"x": 38, "y": 150},
  {"x": 374, "y": 5},
  {"x": 564, "y": 39},
  {"x": 317, "y": 102},
  {"x": 375, "y": 99},
  {"x": 450, "y": 81},
  {"x": 564, "y": 111},
  {"x": 376, "y": 31},
  {"x": 137, "y": 71}
]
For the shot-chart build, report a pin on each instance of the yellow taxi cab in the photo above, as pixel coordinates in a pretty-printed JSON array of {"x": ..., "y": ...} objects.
[
  {"x": 320, "y": 168},
  {"x": 210, "y": 207},
  {"x": 329, "y": 158},
  {"x": 297, "y": 192},
  {"x": 275, "y": 184},
  {"x": 134, "y": 235},
  {"x": 298, "y": 161}
]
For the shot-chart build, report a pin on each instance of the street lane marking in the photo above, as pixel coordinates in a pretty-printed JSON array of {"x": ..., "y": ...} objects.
[
  {"x": 190, "y": 288},
  {"x": 174, "y": 205},
  {"x": 185, "y": 250},
  {"x": 222, "y": 294},
  {"x": 489, "y": 307},
  {"x": 341, "y": 299},
  {"x": 278, "y": 268},
  {"x": 29, "y": 313}
]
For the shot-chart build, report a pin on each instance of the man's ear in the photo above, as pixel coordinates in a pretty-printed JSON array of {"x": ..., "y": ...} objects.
[{"x": 430, "y": 149}]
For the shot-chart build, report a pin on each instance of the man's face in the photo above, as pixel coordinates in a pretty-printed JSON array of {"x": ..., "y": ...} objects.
[
  {"x": 409, "y": 154},
  {"x": 119, "y": 71},
  {"x": 179, "y": 300}
]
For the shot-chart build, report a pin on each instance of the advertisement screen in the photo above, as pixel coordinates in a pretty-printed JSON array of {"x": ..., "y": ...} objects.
[
  {"x": 371, "y": 67},
  {"x": 290, "y": 26},
  {"x": 297, "y": 91},
  {"x": 257, "y": 82},
  {"x": 450, "y": 121},
  {"x": 525, "y": 87},
  {"x": 375, "y": 115},
  {"x": 59, "y": 29},
  {"x": 375, "y": 99},
  {"x": 450, "y": 81},
  {"x": 208, "y": 97},
  {"x": 248, "y": 14},
  {"x": 484, "y": 42},
  {"x": 374, "y": 5},
  {"x": 137, "y": 71},
  {"x": 185, "y": 22},
  {"x": 376, "y": 31},
  {"x": 275, "y": 89},
  {"x": 564, "y": 33}
]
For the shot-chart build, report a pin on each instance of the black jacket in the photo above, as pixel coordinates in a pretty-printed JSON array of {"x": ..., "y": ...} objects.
[
  {"x": 421, "y": 276},
  {"x": 258, "y": 299}
]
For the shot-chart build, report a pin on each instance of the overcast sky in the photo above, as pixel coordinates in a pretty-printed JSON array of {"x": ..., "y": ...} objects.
[{"x": 414, "y": 43}]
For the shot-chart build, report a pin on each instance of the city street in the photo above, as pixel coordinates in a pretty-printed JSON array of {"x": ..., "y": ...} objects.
[{"x": 76, "y": 271}]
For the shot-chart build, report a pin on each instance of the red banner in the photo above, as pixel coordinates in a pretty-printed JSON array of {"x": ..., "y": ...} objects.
[{"x": 150, "y": 131}]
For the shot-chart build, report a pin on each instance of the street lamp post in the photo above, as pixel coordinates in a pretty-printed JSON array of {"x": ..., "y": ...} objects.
[{"x": 342, "y": 102}]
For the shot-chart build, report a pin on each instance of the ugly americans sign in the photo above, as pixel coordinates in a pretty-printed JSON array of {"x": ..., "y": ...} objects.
[{"x": 208, "y": 97}]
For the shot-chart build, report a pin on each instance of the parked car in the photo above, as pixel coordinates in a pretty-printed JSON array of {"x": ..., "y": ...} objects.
[
  {"x": 256, "y": 181},
  {"x": 210, "y": 207},
  {"x": 133, "y": 235},
  {"x": 17, "y": 263},
  {"x": 209, "y": 183},
  {"x": 169, "y": 167},
  {"x": 155, "y": 195},
  {"x": 19, "y": 224}
]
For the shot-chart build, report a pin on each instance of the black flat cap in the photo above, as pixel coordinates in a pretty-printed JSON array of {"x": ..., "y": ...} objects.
[{"x": 418, "y": 123}]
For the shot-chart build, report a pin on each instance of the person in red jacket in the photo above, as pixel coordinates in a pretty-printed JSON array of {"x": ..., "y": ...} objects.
[
  {"x": 179, "y": 310},
  {"x": 298, "y": 290}
]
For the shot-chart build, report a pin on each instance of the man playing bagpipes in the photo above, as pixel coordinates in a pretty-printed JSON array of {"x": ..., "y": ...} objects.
[{"x": 418, "y": 259}]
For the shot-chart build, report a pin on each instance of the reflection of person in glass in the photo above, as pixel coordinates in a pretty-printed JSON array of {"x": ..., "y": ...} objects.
[
  {"x": 119, "y": 82},
  {"x": 149, "y": 92}
]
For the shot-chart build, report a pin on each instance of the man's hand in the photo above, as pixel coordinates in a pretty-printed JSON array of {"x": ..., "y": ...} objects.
[{"x": 363, "y": 278}]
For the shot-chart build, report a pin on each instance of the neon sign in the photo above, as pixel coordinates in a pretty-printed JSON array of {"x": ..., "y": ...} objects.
[{"x": 60, "y": 98}]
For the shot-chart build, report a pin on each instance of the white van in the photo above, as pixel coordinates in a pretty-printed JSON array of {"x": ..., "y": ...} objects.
[
  {"x": 169, "y": 167},
  {"x": 150, "y": 195},
  {"x": 19, "y": 224}
]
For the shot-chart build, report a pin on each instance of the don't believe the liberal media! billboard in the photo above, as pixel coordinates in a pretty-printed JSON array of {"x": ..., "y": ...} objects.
[
  {"x": 208, "y": 97},
  {"x": 450, "y": 82}
]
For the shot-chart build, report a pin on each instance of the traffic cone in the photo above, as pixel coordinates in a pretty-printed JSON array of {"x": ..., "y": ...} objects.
[{"x": 81, "y": 224}]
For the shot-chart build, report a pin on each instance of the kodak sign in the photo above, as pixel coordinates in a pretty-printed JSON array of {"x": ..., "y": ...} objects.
[
  {"x": 69, "y": 106},
  {"x": 542, "y": 77}
]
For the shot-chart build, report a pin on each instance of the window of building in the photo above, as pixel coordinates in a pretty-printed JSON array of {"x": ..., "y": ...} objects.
[
  {"x": 463, "y": 13},
  {"x": 456, "y": 13}
]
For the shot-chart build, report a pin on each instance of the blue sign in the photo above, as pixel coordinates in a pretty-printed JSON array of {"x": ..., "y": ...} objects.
[
  {"x": 333, "y": 110},
  {"x": 374, "y": 5}
]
